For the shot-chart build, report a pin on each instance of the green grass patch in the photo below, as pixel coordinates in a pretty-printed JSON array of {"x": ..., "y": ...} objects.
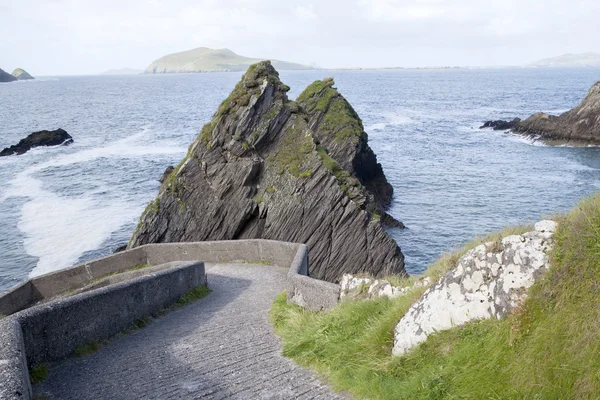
[
  {"x": 87, "y": 349},
  {"x": 38, "y": 373},
  {"x": 260, "y": 262},
  {"x": 193, "y": 295},
  {"x": 547, "y": 349}
]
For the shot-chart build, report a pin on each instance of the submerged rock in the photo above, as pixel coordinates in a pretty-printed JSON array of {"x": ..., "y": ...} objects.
[
  {"x": 6, "y": 77},
  {"x": 36, "y": 139},
  {"x": 489, "y": 281},
  {"x": 266, "y": 167},
  {"x": 579, "y": 125},
  {"x": 500, "y": 125},
  {"x": 21, "y": 74}
]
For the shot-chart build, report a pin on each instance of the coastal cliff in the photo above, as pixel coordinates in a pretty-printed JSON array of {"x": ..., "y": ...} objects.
[
  {"x": 579, "y": 125},
  {"x": 266, "y": 167},
  {"x": 203, "y": 59},
  {"x": 6, "y": 77},
  {"x": 22, "y": 75}
]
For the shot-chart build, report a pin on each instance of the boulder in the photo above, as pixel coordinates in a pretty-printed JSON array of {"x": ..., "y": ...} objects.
[
  {"x": 36, "y": 139},
  {"x": 166, "y": 174},
  {"x": 6, "y": 77},
  {"x": 578, "y": 125},
  {"x": 500, "y": 125},
  {"x": 489, "y": 281},
  {"x": 266, "y": 167},
  {"x": 21, "y": 74}
]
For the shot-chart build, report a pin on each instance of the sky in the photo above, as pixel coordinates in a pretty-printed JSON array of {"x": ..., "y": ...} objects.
[{"x": 74, "y": 37}]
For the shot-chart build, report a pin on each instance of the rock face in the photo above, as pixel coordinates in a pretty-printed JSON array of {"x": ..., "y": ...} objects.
[
  {"x": 260, "y": 170},
  {"x": 488, "y": 282},
  {"x": 166, "y": 174},
  {"x": 581, "y": 124},
  {"x": 21, "y": 74},
  {"x": 356, "y": 287},
  {"x": 36, "y": 139},
  {"x": 500, "y": 125},
  {"x": 6, "y": 77}
]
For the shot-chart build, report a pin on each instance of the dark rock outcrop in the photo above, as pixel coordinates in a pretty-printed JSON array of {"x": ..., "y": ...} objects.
[
  {"x": 21, "y": 74},
  {"x": 500, "y": 125},
  {"x": 166, "y": 174},
  {"x": 579, "y": 125},
  {"x": 266, "y": 167},
  {"x": 36, "y": 139},
  {"x": 339, "y": 134},
  {"x": 6, "y": 77}
]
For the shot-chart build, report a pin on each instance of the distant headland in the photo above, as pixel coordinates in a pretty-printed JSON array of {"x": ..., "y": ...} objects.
[{"x": 203, "y": 59}]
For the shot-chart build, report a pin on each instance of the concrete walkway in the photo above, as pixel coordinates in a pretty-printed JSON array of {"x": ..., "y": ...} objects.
[{"x": 222, "y": 346}]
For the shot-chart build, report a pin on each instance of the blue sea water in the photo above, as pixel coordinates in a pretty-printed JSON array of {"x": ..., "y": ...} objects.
[{"x": 64, "y": 205}]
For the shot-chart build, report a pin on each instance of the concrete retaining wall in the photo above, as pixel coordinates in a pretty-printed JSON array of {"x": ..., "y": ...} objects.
[
  {"x": 307, "y": 292},
  {"x": 14, "y": 375},
  {"x": 53, "y": 329}
]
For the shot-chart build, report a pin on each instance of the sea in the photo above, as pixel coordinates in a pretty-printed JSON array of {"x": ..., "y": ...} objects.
[{"x": 60, "y": 206}]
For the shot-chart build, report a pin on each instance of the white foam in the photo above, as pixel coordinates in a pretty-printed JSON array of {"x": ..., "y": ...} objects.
[{"x": 59, "y": 229}]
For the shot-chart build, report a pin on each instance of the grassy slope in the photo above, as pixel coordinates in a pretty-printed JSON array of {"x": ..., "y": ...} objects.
[
  {"x": 211, "y": 60},
  {"x": 549, "y": 349}
]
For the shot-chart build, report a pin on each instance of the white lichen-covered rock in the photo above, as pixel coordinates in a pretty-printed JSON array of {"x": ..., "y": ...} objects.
[
  {"x": 355, "y": 287},
  {"x": 488, "y": 281}
]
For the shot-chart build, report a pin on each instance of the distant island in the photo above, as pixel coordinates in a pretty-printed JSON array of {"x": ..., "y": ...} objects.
[
  {"x": 569, "y": 60},
  {"x": 204, "y": 59},
  {"x": 21, "y": 74},
  {"x": 122, "y": 71}
]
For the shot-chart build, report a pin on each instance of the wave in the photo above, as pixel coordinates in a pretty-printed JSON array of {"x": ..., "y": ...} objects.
[{"x": 75, "y": 225}]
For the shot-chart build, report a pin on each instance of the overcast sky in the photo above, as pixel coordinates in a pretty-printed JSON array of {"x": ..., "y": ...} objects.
[{"x": 86, "y": 37}]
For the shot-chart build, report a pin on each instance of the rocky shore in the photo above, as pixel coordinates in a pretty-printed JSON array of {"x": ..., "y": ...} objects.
[
  {"x": 578, "y": 126},
  {"x": 36, "y": 139}
]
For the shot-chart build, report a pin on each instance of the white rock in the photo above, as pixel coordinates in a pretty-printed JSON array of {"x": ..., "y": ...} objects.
[{"x": 482, "y": 285}]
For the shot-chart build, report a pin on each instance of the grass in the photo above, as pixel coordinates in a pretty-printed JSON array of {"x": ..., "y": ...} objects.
[
  {"x": 547, "y": 349},
  {"x": 340, "y": 120},
  {"x": 38, "y": 373}
]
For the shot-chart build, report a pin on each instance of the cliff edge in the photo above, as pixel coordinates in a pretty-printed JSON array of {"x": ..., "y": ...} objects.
[
  {"x": 266, "y": 167},
  {"x": 580, "y": 124}
]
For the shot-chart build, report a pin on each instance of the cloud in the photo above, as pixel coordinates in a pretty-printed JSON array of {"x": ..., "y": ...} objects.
[{"x": 80, "y": 36}]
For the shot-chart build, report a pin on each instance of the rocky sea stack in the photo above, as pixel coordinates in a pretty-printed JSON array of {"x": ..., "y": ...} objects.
[
  {"x": 267, "y": 167},
  {"x": 21, "y": 74},
  {"x": 579, "y": 125},
  {"x": 36, "y": 139},
  {"x": 6, "y": 77}
]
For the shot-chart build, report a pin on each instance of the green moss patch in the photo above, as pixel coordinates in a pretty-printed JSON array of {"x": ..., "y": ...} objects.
[{"x": 38, "y": 373}]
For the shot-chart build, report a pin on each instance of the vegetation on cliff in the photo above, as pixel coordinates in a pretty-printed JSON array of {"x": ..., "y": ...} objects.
[
  {"x": 264, "y": 167},
  {"x": 21, "y": 74},
  {"x": 547, "y": 349},
  {"x": 203, "y": 59}
]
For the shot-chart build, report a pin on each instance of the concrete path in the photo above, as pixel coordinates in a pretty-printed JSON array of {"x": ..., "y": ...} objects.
[{"x": 222, "y": 346}]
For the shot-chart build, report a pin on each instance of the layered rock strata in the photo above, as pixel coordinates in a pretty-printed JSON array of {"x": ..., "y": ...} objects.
[
  {"x": 578, "y": 125},
  {"x": 488, "y": 282},
  {"x": 267, "y": 167}
]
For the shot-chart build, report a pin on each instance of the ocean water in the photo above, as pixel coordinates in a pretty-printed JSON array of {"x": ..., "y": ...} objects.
[{"x": 64, "y": 205}]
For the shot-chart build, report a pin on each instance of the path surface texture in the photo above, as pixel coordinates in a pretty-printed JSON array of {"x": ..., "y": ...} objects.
[{"x": 222, "y": 346}]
